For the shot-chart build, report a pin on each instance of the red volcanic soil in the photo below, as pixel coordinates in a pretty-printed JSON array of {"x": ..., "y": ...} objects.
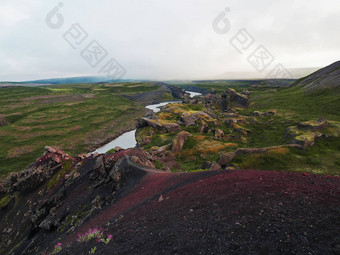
[{"x": 222, "y": 212}]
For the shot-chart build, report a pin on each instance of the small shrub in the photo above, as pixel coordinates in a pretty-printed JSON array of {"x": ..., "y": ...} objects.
[
  {"x": 96, "y": 234},
  {"x": 158, "y": 164},
  {"x": 57, "y": 248}
]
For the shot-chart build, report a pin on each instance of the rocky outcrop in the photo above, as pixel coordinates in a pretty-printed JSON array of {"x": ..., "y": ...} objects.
[
  {"x": 318, "y": 125},
  {"x": 36, "y": 174},
  {"x": 189, "y": 119},
  {"x": 58, "y": 193},
  {"x": 306, "y": 133},
  {"x": 166, "y": 127},
  {"x": 196, "y": 118},
  {"x": 176, "y": 92},
  {"x": 228, "y": 98},
  {"x": 212, "y": 100},
  {"x": 146, "y": 122},
  {"x": 242, "y": 99},
  {"x": 179, "y": 140},
  {"x": 172, "y": 127}
]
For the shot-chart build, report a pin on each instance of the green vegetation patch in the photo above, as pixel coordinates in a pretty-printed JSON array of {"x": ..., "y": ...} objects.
[
  {"x": 5, "y": 200},
  {"x": 60, "y": 174},
  {"x": 73, "y": 117},
  {"x": 322, "y": 158}
]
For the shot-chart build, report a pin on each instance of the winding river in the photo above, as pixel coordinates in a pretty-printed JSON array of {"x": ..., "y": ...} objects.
[{"x": 128, "y": 139}]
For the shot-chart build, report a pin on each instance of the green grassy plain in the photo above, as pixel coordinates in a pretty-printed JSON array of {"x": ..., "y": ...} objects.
[{"x": 75, "y": 118}]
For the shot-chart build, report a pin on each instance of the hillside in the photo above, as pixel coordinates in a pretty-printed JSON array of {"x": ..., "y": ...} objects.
[
  {"x": 77, "y": 118},
  {"x": 325, "y": 78},
  {"x": 119, "y": 204}
]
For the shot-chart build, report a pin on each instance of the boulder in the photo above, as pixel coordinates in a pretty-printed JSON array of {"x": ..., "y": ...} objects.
[
  {"x": 215, "y": 166},
  {"x": 189, "y": 119},
  {"x": 143, "y": 162},
  {"x": 226, "y": 158},
  {"x": 145, "y": 122},
  {"x": 178, "y": 141},
  {"x": 167, "y": 127},
  {"x": 213, "y": 100},
  {"x": 50, "y": 149},
  {"x": 172, "y": 127},
  {"x": 241, "y": 99}
]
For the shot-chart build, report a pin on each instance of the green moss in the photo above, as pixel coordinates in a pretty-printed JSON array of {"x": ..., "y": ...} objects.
[
  {"x": 143, "y": 133},
  {"x": 5, "y": 200},
  {"x": 158, "y": 164},
  {"x": 60, "y": 174},
  {"x": 35, "y": 120},
  {"x": 73, "y": 220},
  {"x": 159, "y": 140},
  {"x": 111, "y": 151},
  {"x": 189, "y": 143}
]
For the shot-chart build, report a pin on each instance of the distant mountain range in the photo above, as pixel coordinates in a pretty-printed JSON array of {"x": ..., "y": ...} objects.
[{"x": 83, "y": 79}]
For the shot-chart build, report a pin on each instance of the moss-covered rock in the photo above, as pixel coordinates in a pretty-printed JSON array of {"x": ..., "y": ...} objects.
[
  {"x": 4, "y": 201},
  {"x": 305, "y": 133},
  {"x": 144, "y": 135},
  {"x": 318, "y": 125}
]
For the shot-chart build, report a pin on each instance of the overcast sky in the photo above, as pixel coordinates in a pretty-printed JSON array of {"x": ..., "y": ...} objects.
[{"x": 165, "y": 39}]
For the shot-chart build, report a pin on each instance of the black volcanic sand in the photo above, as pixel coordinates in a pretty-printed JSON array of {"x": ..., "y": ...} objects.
[{"x": 221, "y": 212}]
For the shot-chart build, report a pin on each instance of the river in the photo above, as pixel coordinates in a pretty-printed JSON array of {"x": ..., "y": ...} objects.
[{"x": 128, "y": 139}]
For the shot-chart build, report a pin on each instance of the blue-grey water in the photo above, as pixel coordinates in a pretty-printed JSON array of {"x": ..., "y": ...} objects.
[{"x": 128, "y": 139}]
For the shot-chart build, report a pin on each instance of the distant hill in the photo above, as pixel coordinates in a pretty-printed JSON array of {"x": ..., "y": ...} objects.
[
  {"x": 296, "y": 73},
  {"x": 68, "y": 80},
  {"x": 74, "y": 80},
  {"x": 327, "y": 77}
]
